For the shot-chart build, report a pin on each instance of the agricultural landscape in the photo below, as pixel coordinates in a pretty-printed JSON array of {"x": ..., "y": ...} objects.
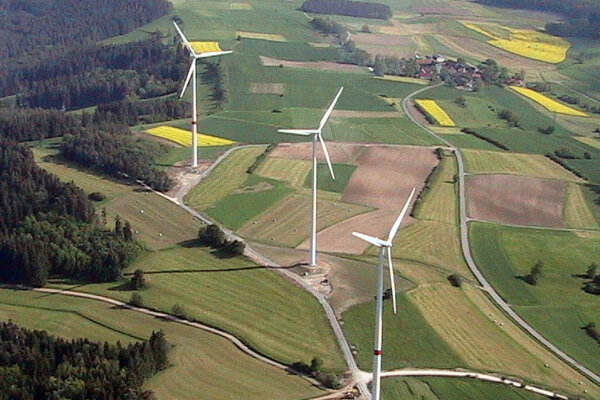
[{"x": 109, "y": 234}]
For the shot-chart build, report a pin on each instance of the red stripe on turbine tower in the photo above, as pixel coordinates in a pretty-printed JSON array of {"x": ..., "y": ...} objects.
[
  {"x": 377, "y": 352},
  {"x": 194, "y": 123}
]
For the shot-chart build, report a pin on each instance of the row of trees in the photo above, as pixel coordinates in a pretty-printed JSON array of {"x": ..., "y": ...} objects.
[
  {"x": 346, "y": 7},
  {"x": 35, "y": 365},
  {"x": 26, "y": 124},
  {"x": 29, "y": 27},
  {"x": 116, "y": 152}
]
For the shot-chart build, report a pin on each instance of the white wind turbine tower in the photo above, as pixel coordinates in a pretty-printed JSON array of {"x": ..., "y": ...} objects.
[
  {"x": 192, "y": 75},
  {"x": 385, "y": 246},
  {"x": 316, "y": 137}
]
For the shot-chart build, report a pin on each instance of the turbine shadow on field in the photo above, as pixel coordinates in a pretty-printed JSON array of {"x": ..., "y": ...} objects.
[{"x": 196, "y": 271}]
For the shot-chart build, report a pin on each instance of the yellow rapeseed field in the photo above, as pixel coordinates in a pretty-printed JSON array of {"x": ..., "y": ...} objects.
[
  {"x": 433, "y": 109},
  {"x": 548, "y": 103},
  {"x": 205, "y": 47},
  {"x": 524, "y": 42},
  {"x": 184, "y": 138}
]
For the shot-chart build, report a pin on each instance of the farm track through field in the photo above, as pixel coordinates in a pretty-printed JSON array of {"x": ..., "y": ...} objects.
[{"x": 466, "y": 247}]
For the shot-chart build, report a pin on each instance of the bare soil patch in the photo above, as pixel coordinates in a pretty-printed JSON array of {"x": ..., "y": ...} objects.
[
  {"x": 516, "y": 200},
  {"x": 266, "y": 88},
  {"x": 384, "y": 178},
  {"x": 345, "y": 153},
  {"x": 323, "y": 65}
]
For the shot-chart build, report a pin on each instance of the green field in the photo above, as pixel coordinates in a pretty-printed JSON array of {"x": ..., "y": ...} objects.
[
  {"x": 577, "y": 212},
  {"x": 342, "y": 172},
  {"x": 251, "y": 199},
  {"x": 495, "y": 162},
  {"x": 224, "y": 179},
  {"x": 232, "y": 294},
  {"x": 505, "y": 253},
  {"x": 481, "y": 112},
  {"x": 159, "y": 223},
  {"x": 199, "y": 360},
  {"x": 440, "y": 203},
  {"x": 451, "y": 389},
  {"x": 287, "y": 222},
  {"x": 294, "y": 172}
]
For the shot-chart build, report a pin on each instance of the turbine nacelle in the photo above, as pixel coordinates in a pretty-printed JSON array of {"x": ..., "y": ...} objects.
[
  {"x": 196, "y": 56},
  {"x": 316, "y": 133},
  {"x": 386, "y": 245}
]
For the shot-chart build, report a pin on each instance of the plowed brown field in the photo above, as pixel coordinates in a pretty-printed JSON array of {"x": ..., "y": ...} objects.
[{"x": 516, "y": 200}]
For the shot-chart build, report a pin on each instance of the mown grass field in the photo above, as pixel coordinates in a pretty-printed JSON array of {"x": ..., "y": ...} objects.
[
  {"x": 224, "y": 179},
  {"x": 440, "y": 203},
  {"x": 451, "y": 389},
  {"x": 495, "y": 162},
  {"x": 287, "y": 222},
  {"x": 199, "y": 360},
  {"x": 577, "y": 212},
  {"x": 233, "y": 294},
  {"x": 158, "y": 222},
  {"x": 294, "y": 172},
  {"x": 248, "y": 201},
  {"x": 505, "y": 253}
]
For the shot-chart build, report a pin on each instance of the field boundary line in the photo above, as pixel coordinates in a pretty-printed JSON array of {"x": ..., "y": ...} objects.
[
  {"x": 447, "y": 373},
  {"x": 260, "y": 259},
  {"x": 466, "y": 248},
  {"x": 169, "y": 317}
]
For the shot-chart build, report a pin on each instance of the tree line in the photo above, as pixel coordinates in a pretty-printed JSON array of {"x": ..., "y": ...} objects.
[
  {"x": 350, "y": 8},
  {"x": 26, "y": 124},
  {"x": 35, "y": 365},
  {"x": 29, "y": 27},
  {"x": 48, "y": 227},
  {"x": 117, "y": 153}
]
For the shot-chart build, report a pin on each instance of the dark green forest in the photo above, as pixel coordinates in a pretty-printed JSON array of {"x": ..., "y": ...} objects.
[
  {"x": 48, "y": 227},
  {"x": 37, "y": 366}
]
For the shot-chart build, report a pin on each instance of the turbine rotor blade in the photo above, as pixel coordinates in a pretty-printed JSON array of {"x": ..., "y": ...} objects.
[
  {"x": 370, "y": 239},
  {"x": 392, "y": 281},
  {"x": 330, "y": 109},
  {"x": 301, "y": 132},
  {"x": 400, "y": 217},
  {"x": 189, "y": 76},
  {"x": 326, "y": 156},
  {"x": 212, "y": 54},
  {"x": 183, "y": 38}
]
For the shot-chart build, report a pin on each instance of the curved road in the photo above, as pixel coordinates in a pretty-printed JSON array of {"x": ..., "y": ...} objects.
[
  {"x": 361, "y": 376},
  {"x": 254, "y": 255},
  {"x": 466, "y": 248}
]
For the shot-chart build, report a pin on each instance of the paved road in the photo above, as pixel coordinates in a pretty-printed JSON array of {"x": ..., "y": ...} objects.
[
  {"x": 466, "y": 248},
  {"x": 447, "y": 373}
]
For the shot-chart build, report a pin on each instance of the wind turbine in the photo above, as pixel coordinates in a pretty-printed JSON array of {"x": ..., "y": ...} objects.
[
  {"x": 192, "y": 75},
  {"x": 385, "y": 246},
  {"x": 316, "y": 137}
]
